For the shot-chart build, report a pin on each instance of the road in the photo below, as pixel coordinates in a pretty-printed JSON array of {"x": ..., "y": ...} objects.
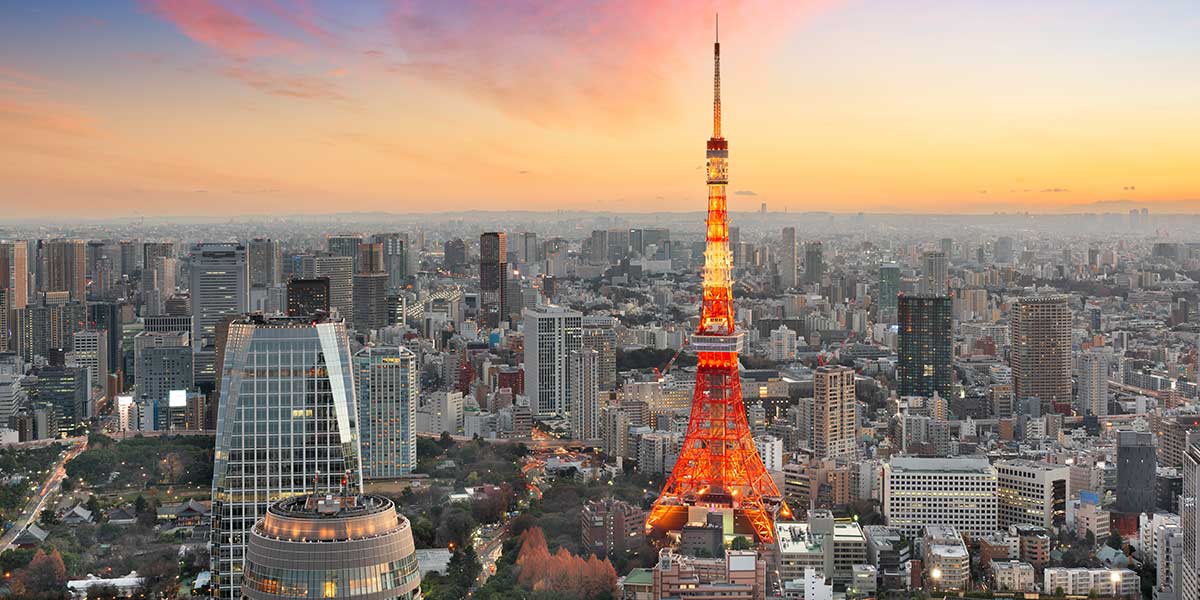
[
  {"x": 48, "y": 489},
  {"x": 489, "y": 553}
]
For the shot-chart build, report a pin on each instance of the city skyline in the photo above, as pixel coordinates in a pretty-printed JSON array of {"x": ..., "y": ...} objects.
[{"x": 210, "y": 108}]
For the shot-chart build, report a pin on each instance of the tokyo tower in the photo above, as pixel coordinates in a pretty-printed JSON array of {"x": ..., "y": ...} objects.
[{"x": 718, "y": 468}]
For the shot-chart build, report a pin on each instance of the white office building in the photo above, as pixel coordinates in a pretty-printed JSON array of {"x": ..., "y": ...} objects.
[
  {"x": 957, "y": 492},
  {"x": 552, "y": 333}
]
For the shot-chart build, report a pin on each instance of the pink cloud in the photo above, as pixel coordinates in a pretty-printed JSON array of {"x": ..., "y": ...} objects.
[
  {"x": 218, "y": 26},
  {"x": 293, "y": 86}
]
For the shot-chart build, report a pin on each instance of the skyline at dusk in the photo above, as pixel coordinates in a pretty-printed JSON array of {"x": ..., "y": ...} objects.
[{"x": 203, "y": 107}]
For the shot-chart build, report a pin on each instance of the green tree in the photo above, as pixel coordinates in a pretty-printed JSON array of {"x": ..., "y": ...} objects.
[
  {"x": 1114, "y": 541},
  {"x": 49, "y": 517},
  {"x": 104, "y": 592},
  {"x": 740, "y": 543}
]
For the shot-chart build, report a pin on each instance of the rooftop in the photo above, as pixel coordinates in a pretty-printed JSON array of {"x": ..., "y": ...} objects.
[{"x": 964, "y": 464}]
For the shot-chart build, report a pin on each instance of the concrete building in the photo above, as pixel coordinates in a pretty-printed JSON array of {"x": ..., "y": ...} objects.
[
  {"x": 1040, "y": 333},
  {"x": 1093, "y": 383},
  {"x": 741, "y": 575},
  {"x": 339, "y": 270},
  {"x": 1102, "y": 582},
  {"x": 832, "y": 548},
  {"x": 1136, "y": 465},
  {"x": 947, "y": 563},
  {"x": 835, "y": 421},
  {"x": 1013, "y": 576},
  {"x": 611, "y": 527},
  {"x": 956, "y": 492},
  {"x": 220, "y": 288},
  {"x": 1032, "y": 492},
  {"x": 552, "y": 333},
  {"x": 584, "y": 367}
]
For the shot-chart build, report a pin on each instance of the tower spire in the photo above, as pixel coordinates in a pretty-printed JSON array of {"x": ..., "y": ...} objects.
[{"x": 717, "y": 82}]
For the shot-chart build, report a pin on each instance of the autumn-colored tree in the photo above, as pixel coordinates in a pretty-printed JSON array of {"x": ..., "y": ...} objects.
[
  {"x": 562, "y": 575},
  {"x": 45, "y": 574}
]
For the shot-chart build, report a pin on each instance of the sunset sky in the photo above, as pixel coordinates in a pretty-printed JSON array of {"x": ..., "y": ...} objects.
[{"x": 201, "y": 107}]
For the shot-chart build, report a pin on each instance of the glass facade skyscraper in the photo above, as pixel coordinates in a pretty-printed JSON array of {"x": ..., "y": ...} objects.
[
  {"x": 926, "y": 341},
  {"x": 286, "y": 425},
  {"x": 386, "y": 381}
]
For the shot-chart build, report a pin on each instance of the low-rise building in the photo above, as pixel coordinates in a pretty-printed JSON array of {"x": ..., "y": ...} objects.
[
  {"x": 1102, "y": 582},
  {"x": 1013, "y": 576},
  {"x": 947, "y": 564}
]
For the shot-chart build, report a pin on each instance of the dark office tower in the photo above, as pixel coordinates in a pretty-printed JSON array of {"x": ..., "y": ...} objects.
[
  {"x": 219, "y": 287},
  {"x": 345, "y": 245},
  {"x": 129, "y": 257},
  {"x": 64, "y": 387},
  {"x": 309, "y": 440},
  {"x": 153, "y": 250},
  {"x": 46, "y": 324},
  {"x": 164, "y": 369},
  {"x": 528, "y": 252},
  {"x": 935, "y": 274},
  {"x": 1093, "y": 259},
  {"x": 14, "y": 272},
  {"x": 735, "y": 246},
  {"x": 926, "y": 346},
  {"x": 454, "y": 254},
  {"x": 789, "y": 256},
  {"x": 395, "y": 257},
  {"x": 889, "y": 289},
  {"x": 1002, "y": 252},
  {"x": 814, "y": 262},
  {"x": 1040, "y": 335},
  {"x": 340, "y": 272},
  {"x": 618, "y": 245},
  {"x": 106, "y": 316},
  {"x": 370, "y": 258},
  {"x": 370, "y": 301},
  {"x": 266, "y": 262},
  {"x": 946, "y": 245},
  {"x": 66, "y": 268},
  {"x": 493, "y": 271},
  {"x": 599, "y": 250},
  {"x": 1136, "y": 466},
  {"x": 307, "y": 297}
]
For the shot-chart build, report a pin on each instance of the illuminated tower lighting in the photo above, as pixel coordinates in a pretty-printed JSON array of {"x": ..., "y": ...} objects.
[{"x": 718, "y": 467}]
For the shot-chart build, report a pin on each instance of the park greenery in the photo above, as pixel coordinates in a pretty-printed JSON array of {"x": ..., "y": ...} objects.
[
  {"x": 23, "y": 471},
  {"x": 144, "y": 462}
]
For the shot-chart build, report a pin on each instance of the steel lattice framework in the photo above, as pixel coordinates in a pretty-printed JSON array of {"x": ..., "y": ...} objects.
[{"x": 718, "y": 466}]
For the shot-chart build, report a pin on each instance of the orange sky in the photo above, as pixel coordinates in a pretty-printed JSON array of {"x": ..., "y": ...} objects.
[{"x": 269, "y": 106}]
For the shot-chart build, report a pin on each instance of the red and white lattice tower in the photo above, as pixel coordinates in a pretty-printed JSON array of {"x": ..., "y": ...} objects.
[{"x": 718, "y": 468}]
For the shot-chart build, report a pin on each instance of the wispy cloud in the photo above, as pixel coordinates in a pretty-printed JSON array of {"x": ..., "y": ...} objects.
[
  {"x": 292, "y": 86},
  {"x": 745, "y": 193}
]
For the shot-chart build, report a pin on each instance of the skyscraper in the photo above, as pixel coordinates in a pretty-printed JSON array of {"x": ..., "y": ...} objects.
[
  {"x": 814, "y": 262},
  {"x": 718, "y": 468},
  {"x": 339, "y": 270},
  {"x": 14, "y": 272},
  {"x": 835, "y": 413},
  {"x": 1136, "y": 466},
  {"x": 935, "y": 274},
  {"x": 454, "y": 254},
  {"x": 395, "y": 257},
  {"x": 926, "y": 341},
  {"x": 387, "y": 385},
  {"x": 788, "y": 269},
  {"x": 66, "y": 268},
  {"x": 493, "y": 274},
  {"x": 1040, "y": 334},
  {"x": 265, "y": 259},
  {"x": 160, "y": 370},
  {"x": 584, "y": 365},
  {"x": 370, "y": 301},
  {"x": 889, "y": 288},
  {"x": 552, "y": 333},
  {"x": 1093, "y": 383},
  {"x": 297, "y": 435},
  {"x": 345, "y": 245},
  {"x": 220, "y": 288},
  {"x": 602, "y": 339},
  {"x": 307, "y": 297}
]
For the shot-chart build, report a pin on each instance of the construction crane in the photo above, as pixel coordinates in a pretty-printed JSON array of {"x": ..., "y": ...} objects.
[{"x": 660, "y": 374}]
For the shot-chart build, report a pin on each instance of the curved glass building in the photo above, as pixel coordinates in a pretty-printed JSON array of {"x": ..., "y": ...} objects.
[
  {"x": 286, "y": 426},
  {"x": 332, "y": 547}
]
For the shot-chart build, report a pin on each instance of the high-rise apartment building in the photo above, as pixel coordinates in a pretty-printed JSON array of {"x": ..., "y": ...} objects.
[
  {"x": 835, "y": 416},
  {"x": 1040, "y": 334},
  {"x": 602, "y": 339},
  {"x": 339, "y": 270},
  {"x": 814, "y": 262},
  {"x": 370, "y": 301},
  {"x": 1189, "y": 521},
  {"x": 395, "y": 257},
  {"x": 493, "y": 275},
  {"x": 220, "y": 288},
  {"x": 925, "y": 362},
  {"x": 552, "y": 333},
  {"x": 386, "y": 382},
  {"x": 66, "y": 268},
  {"x": 783, "y": 344},
  {"x": 1093, "y": 383},
  {"x": 266, "y": 262},
  {"x": 294, "y": 436},
  {"x": 788, "y": 268},
  {"x": 584, "y": 367},
  {"x": 889, "y": 289},
  {"x": 935, "y": 273},
  {"x": 959, "y": 492},
  {"x": 14, "y": 272}
]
